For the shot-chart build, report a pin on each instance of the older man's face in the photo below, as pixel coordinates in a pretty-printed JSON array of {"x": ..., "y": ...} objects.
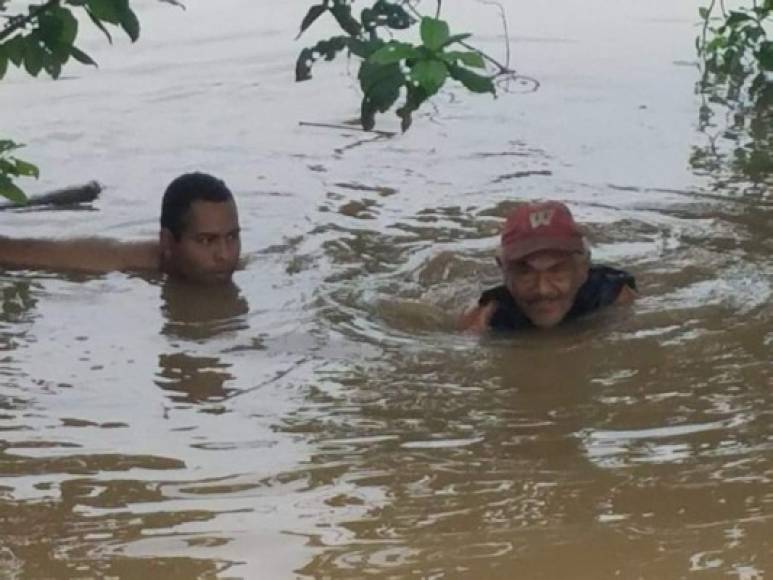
[{"x": 544, "y": 284}]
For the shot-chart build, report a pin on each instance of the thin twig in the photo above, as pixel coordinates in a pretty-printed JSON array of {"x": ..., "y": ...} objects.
[
  {"x": 439, "y": 8},
  {"x": 704, "y": 36},
  {"x": 345, "y": 127},
  {"x": 505, "y": 25},
  {"x": 279, "y": 375},
  {"x": 413, "y": 10}
]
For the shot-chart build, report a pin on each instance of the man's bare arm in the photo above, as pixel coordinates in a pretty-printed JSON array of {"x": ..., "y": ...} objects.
[{"x": 96, "y": 255}]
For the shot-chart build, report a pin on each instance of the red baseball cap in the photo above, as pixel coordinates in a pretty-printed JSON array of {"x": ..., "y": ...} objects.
[{"x": 532, "y": 227}]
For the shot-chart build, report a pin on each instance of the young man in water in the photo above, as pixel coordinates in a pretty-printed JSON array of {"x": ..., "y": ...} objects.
[
  {"x": 198, "y": 240},
  {"x": 548, "y": 276}
]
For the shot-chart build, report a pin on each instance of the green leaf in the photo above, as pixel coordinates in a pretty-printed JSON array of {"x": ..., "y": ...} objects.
[
  {"x": 434, "y": 33},
  {"x": 364, "y": 48},
  {"x": 385, "y": 13},
  {"x": 3, "y": 63},
  {"x": 14, "y": 48},
  {"x": 69, "y": 26},
  {"x": 381, "y": 88},
  {"x": 7, "y": 145},
  {"x": 52, "y": 66},
  {"x": 343, "y": 15},
  {"x": 98, "y": 23},
  {"x": 414, "y": 98},
  {"x": 26, "y": 169},
  {"x": 473, "y": 59},
  {"x": 130, "y": 25},
  {"x": 10, "y": 191},
  {"x": 393, "y": 52},
  {"x": 33, "y": 57},
  {"x": 303, "y": 65},
  {"x": 456, "y": 38},
  {"x": 106, "y": 10},
  {"x": 81, "y": 56},
  {"x": 737, "y": 18},
  {"x": 764, "y": 56},
  {"x": 703, "y": 12},
  {"x": 430, "y": 74},
  {"x": 314, "y": 12},
  {"x": 473, "y": 81},
  {"x": 324, "y": 48},
  {"x": 57, "y": 28}
]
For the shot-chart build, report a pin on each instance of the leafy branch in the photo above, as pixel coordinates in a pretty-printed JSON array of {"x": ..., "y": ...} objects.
[
  {"x": 734, "y": 47},
  {"x": 12, "y": 166},
  {"x": 391, "y": 68},
  {"x": 42, "y": 39}
]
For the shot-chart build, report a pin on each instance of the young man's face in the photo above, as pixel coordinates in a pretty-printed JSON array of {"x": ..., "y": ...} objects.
[
  {"x": 209, "y": 245},
  {"x": 544, "y": 284}
]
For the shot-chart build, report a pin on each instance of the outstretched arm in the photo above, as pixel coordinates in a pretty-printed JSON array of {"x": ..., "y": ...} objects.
[{"x": 96, "y": 255}]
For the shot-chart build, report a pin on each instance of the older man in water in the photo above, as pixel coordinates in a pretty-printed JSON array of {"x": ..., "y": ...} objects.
[
  {"x": 547, "y": 273},
  {"x": 198, "y": 239}
]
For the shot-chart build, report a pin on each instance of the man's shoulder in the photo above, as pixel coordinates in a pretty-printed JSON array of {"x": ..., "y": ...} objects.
[
  {"x": 612, "y": 275},
  {"x": 497, "y": 294},
  {"x": 605, "y": 285}
]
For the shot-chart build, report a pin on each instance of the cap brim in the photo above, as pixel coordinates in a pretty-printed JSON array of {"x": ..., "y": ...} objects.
[{"x": 523, "y": 248}]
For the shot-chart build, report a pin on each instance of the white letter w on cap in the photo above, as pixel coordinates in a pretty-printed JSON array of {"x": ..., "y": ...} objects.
[{"x": 541, "y": 218}]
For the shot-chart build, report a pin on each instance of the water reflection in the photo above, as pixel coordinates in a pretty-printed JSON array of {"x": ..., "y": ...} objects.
[
  {"x": 193, "y": 378},
  {"x": 737, "y": 156},
  {"x": 196, "y": 314}
]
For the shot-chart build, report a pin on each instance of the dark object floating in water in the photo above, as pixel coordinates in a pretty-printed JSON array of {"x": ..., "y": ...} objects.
[
  {"x": 73, "y": 195},
  {"x": 519, "y": 174}
]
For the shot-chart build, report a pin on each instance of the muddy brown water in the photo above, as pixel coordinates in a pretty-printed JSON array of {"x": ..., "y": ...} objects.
[{"x": 321, "y": 419}]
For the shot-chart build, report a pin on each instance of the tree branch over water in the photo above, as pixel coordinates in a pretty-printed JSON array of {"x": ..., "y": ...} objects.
[{"x": 19, "y": 22}]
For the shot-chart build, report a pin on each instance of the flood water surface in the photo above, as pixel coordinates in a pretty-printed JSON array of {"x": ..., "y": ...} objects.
[{"x": 321, "y": 418}]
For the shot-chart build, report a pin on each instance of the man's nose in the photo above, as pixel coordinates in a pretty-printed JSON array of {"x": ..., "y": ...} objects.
[
  {"x": 220, "y": 250},
  {"x": 543, "y": 286}
]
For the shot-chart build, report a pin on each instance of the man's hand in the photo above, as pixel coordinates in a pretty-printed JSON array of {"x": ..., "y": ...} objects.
[
  {"x": 476, "y": 320},
  {"x": 626, "y": 296}
]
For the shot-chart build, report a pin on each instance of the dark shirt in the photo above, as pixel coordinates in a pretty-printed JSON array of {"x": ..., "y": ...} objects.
[{"x": 600, "y": 289}]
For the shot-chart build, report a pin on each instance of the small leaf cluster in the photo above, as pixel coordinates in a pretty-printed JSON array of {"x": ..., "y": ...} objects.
[
  {"x": 12, "y": 166},
  {"x": 390, "y": 68}
]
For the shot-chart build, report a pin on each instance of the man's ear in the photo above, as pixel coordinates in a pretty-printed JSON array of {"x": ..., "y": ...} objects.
[
  {"x": 584, "y": 263},
  {"x": 166, "y": 243}
]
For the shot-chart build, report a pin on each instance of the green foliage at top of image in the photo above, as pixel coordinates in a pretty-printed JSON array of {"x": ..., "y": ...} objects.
[
  {"x": 735, "y": 48},
  {"x": 391, "y": 68},
  {"x": 42, "y": 38}
]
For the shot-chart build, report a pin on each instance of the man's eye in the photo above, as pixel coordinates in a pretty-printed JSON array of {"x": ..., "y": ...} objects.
[
  {"x": 204, "y": 240},
  {"x": 559, "y": 269}
]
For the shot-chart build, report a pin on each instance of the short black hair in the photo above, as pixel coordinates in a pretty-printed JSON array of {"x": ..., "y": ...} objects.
[{"x": 183, "y": 191}]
